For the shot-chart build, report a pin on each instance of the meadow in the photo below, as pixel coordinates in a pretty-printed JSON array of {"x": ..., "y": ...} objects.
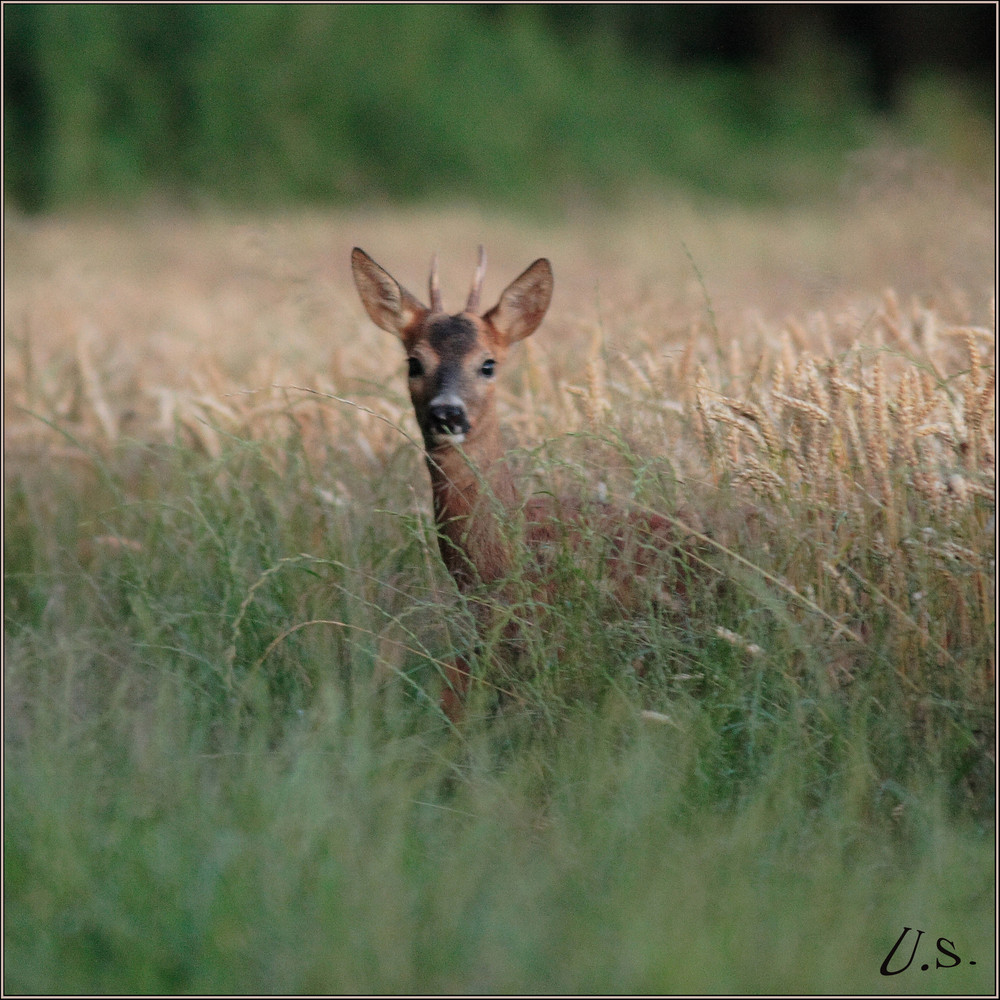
[{"x": 225, "y": 619}]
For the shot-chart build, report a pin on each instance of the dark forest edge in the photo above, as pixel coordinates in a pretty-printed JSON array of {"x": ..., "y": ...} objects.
[{"x": 518, "y": 106}]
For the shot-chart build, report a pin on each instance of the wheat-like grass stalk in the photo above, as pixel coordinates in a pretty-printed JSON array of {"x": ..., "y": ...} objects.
[
  {"x": 723, "y": 416},
  {"x": 762, "y": 423},
  {"x": 595, "y": 400},
  {"x": 874, "y": 426},
  {"x": 907, "y": 410},
  {"x": 685, "y": 363},
  {"x": 805, "y": 406},
  {"x": 92, "y": 385},
  {"x": 891, "y": 317},
  {"x": 761, "y": 478}
]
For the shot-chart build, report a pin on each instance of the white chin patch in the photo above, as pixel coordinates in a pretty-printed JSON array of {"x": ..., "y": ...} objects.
[{"x": 449, "y": 439}]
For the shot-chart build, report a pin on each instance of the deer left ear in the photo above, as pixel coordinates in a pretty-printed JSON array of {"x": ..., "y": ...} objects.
[{"x": 523, "y": 304}]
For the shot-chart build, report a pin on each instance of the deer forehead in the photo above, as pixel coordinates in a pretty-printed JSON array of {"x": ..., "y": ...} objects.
[{"x": 455, "y": 338}]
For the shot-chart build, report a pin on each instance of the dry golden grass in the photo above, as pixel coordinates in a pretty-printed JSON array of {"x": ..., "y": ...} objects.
[
  {"x": 834, "y": 366},
  {"x": 121, "y": 327}
]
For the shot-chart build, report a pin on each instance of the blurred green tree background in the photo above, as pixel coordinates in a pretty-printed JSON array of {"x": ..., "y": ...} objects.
[{"x": 524, "y": 105}]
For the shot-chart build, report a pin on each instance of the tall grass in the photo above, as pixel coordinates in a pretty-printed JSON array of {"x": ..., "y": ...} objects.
[{"x": 225, "y": 625}]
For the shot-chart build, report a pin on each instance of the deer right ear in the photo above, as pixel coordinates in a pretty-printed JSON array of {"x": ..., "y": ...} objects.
[
  {"x": 523, "y": 304},
  {"x": 390, "y": 305}
]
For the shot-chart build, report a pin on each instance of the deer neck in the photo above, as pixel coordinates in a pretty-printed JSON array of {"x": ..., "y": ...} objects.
[{"x": 473, "y": 488}]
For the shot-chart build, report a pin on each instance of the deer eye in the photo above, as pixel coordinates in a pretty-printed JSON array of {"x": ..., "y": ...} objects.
[
  {"x": 489, "y": 366},
  {"x": 416, "y": 367}
]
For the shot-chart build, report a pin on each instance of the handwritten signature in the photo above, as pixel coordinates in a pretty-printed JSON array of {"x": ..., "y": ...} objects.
[{"x": 950, "y": 952}]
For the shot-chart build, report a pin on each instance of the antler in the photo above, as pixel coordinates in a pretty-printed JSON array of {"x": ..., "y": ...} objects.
[
  {"x": 477, "y": 282},
  {"x": 435, "y": 287}
]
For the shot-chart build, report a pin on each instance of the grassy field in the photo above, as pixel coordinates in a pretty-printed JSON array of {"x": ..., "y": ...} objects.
[{"x": 225, "y": 618}]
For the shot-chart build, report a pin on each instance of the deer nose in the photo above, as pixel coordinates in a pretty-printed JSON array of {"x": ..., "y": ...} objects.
[{"x": 448, "y": 416}]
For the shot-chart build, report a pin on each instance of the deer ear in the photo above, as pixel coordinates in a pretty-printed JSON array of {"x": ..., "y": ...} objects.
[
  {"x": 390, "y": 305},
  {"x": 523, "y": 303}
]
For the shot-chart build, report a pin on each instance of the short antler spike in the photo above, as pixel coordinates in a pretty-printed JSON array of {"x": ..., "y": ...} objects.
[
  {"x": 477, "y": 282},
  {"x": 435, "y": 286}
]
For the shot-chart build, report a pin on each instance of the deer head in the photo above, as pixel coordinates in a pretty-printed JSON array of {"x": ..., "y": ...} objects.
[{"x": 454, "y": 358}]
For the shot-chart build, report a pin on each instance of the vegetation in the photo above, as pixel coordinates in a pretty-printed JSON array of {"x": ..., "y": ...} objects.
[
  {"x": 226, "y": 770},
  {"x": 283, "y": 104}
]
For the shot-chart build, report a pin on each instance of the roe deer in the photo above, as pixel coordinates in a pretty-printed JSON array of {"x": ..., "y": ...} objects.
[{"x": 453, "y": 364}]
